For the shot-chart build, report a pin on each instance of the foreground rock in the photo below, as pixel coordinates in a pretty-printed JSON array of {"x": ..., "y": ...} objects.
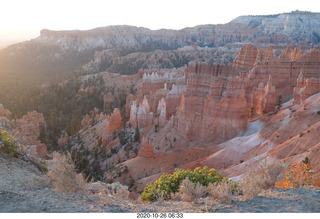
[{"x": 23, "y": 189}]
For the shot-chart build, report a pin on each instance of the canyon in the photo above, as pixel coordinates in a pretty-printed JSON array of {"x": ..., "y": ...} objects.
[
  {"x": 229, "y": 96},
  {"x": 221, "y": 116}
]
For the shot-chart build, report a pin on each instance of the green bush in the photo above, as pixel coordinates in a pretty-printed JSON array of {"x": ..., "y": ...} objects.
[
  {"x": 170, "y": 183},
  {"x": 6, "y": 143}
]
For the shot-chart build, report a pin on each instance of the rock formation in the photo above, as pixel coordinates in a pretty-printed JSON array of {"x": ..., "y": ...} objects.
[
  {"x": 246, "y": 58},
  {"x": 108, "y": 101},
  {"x": 284, "y": 71},
  {"x": 86, "y": 121},
  {"x": 63, "y": 140},
  {"x": 305, "y": 88},
  {"x": 27, "y": 131},
  {"x": 29, "y": 127},
  {"x": 263, "y": 98},
  {"x": 115, "y": 123},
  {"x": 146, "y": 148},
  {"x": 5, "y": 116},
  {"x": 162, "y": 113},
  {"x": 141, "y": 116},
  {"x": 213, "y": 107},
  {"x": 4, "y": 112},
  {"x": 173, "y": 98}
]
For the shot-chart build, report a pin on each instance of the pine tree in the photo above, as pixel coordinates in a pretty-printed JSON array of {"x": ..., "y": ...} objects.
[
  {"x": 137, "y": 134},
  {"x": 279, "y": 102}
]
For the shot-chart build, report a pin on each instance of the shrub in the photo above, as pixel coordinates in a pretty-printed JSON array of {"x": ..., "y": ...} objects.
[
  {"x": 221, "y": 191},
  {"x": 169, "y": 183},
  {"x": 190, "y": 191},
  {"x": 263, "y": 178},
  {"x": 63, "y": 174},
  {"x": 299, "y": 174},
  {"x": 7, "y": 144}
]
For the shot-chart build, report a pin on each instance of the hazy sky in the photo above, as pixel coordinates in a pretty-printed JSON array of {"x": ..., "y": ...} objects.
[{"x": 23, "y": 19}]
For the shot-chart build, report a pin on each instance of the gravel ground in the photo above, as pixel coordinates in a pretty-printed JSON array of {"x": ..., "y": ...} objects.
[{"x": 24, "y": 189}]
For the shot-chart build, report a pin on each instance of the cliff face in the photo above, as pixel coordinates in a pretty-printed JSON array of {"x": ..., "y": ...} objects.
[
  {"x": 213, "y": 107},
  {"x": 263, "y": 98},
  {"x": 214, "y": 102},
  {"x": 275, "y": 29},
  {"x": 284, "y": 69},
  {"x": 282, "y": 28},
  {"x": 127, "y": 49},
  {"x": 305, "y": 88}
]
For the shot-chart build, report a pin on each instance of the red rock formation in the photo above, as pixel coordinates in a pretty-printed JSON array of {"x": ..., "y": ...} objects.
[
  {"x": 141, "y": 115},
  {"x": 152, "y": 83},
  {"x": 173, "y": 98},
  {"x": 284, "y": 71},
  {"x": 86, "y": 121},
  {"x": 27, "y": 131},
  {"x": 263, "y": 98},
  {"x": 29, "y": 127},
  {"x": 213, "y": 107},
  {"x": 162, "y": 113},
  {"x": 4, "y": 112},
  {"x": 146, "y": 148},
  {"x": 5, "y": 123},
  {"x": 63, "y": 140},
  {"x": 265, "y": 55},
  {"x": 41, "y": 150},
  {"x": 246, "y": 58},
  {"x": 108, "y": 100},
  {"x": 115, "y": 121},
  {"x": 305, "y": 88}
]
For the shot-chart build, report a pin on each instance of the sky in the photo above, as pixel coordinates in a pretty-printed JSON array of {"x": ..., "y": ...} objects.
[{"x": 23, "y": 19}]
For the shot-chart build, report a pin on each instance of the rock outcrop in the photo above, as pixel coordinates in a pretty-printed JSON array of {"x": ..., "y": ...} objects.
[
  {"x": 86, "y": 121},
  {"x": 263, "y": 98},
  {"x": 5, "y": 116},
  {"x": 108, "y": 100},
  {"x": 146, "y": 148},
  {"x": 162, "y": 113},
  {"x": 27, "y": 131},
  {"x": 4, "y": 112},
  {"x": 214, "y": 106},
  {"x": 305, "y": 88},
  {"x": 115, "y": 123},
  {"x": 141, "y": 116},
  {"x": 63, "y": 140},
  {"x": 246, "y": 58}
]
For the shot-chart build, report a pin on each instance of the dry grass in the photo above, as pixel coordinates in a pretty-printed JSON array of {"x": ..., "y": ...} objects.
[
  {"x": 221, "y": 191},
  {"x": 63, "y": 175},
  {"x": 122, "y": 193},
  {"x": 263, "y": 178},
  {"x": 101, "y": 191},
  {"x": 190, "y": 192}
]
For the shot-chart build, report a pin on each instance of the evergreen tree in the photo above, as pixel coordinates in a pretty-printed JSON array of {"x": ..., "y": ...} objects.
[
  {"x": 279, "y": 102},
  {"x": 137, "y": 134}
]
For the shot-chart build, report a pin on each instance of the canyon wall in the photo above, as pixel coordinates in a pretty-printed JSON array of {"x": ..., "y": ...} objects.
[{"x": 213, "y": 107}]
